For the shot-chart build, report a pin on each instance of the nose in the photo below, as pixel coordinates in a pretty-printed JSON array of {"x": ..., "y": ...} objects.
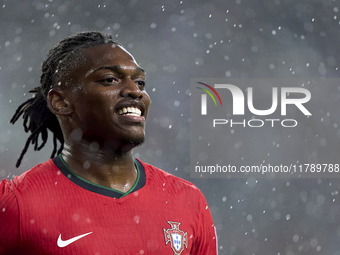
[{"x": 131, "y": 89}]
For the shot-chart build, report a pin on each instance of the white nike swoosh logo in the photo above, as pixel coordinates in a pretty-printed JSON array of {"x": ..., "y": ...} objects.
[{"x": 62, "y": 243}]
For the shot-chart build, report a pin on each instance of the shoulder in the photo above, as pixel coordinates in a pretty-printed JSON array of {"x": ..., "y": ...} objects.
[
  {"x": 159, "y": 177},
  {"x": 155, "y": 172},
  {"x": 37, "y": 173},
  {"x": 12, "y": 194}
]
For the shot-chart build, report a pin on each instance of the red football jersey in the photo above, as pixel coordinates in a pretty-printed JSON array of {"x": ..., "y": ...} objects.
[{"x": 51, "y": 210}]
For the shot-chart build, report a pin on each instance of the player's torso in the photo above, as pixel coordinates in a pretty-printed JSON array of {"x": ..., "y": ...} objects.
[{"x": 82, "y": 222}]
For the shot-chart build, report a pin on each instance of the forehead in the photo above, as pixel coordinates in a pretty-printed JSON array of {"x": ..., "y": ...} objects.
[{"x": 107, "y": 54}]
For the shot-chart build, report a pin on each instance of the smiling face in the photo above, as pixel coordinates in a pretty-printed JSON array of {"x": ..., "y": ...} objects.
[{"x": 107, "y": 99}]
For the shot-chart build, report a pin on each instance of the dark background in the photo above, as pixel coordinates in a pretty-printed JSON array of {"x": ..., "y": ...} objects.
[{"x": 178, "y": 40}]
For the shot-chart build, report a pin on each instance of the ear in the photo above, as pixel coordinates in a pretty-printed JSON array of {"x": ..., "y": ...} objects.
[{"x": 58, "y": 102}]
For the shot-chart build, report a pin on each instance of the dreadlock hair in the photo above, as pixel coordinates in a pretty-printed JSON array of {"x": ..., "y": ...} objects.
[{"x": 37, "y": 117}]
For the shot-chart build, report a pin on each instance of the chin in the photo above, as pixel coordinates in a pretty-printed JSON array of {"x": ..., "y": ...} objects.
[
  {"x": 123, "y": 144},
  {"x": 133, "y": 141},
  {"x": 129, "y": 145},
  {"x": 136, "y": 141}
]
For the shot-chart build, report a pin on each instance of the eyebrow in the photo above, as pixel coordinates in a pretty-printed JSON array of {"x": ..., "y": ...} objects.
[{"x": 117, "y": 69}]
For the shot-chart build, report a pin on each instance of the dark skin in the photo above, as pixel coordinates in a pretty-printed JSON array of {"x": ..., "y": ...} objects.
[{"x": 99, "y": 136}]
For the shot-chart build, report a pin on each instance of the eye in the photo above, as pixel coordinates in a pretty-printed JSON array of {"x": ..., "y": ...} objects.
[
  {"x": 108, "y": 81},
  {"x": 141, "y": 84}
]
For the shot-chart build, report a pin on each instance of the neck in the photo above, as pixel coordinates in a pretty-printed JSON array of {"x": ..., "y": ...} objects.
[{"x": 101, "y": 164}]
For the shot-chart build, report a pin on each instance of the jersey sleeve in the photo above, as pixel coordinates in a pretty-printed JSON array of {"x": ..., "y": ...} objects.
[
  {"x": 9, "y": 219},
  {"x": 205, "y": 238}
]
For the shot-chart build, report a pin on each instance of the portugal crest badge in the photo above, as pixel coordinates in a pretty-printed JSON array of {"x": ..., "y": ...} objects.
[{"x": 177, "y": 238}]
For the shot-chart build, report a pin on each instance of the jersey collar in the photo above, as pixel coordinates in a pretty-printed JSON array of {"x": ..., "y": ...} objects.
[{"x": 140, "y": 182}]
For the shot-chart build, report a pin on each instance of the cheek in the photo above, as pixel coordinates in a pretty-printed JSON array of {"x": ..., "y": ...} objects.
[{"x": 95, "y": 106}]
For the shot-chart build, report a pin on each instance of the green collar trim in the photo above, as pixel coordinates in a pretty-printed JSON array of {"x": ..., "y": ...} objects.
[{"x": 100, "y": 186}]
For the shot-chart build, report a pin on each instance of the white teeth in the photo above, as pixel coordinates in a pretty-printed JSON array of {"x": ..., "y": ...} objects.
[{"x": 130, "y": 111}]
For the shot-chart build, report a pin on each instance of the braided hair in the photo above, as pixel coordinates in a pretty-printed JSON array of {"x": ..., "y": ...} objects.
[{"x": 37, "y": 117}]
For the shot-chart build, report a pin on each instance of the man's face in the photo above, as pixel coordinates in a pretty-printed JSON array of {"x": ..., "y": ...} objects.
[{"x": 107, "y": 94}]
